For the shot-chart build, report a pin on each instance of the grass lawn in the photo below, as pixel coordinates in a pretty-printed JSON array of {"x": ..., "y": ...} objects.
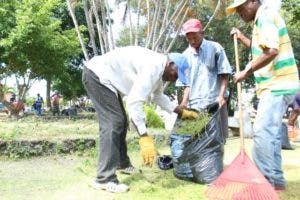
[
  {"x": 68, "y": 177},
  {"x": 54, "y": 128}
]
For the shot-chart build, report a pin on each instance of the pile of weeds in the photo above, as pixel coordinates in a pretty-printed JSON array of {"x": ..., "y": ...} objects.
[{"x": 193, "y": 127}]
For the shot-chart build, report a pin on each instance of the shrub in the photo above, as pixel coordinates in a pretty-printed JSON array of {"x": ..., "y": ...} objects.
[{"x": 152, "y": 118}]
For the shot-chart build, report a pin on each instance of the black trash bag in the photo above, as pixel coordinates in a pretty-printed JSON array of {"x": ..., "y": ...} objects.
[
  {"x": 182, "y": 169},
  {"x": 164, "y": 162},
  {"x": 285, "y": 143},
  {"x": 199, "y": 159}
]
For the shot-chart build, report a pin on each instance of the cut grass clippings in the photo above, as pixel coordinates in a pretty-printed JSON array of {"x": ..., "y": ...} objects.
[
  {"x": 69, "y": 177},
  {"x": 192, "y": 127}
]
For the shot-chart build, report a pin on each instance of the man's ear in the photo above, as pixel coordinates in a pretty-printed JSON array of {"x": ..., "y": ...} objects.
[{"x": 169, "y": 61}]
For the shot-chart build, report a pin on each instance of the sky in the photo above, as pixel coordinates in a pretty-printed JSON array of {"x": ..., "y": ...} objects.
[{"x": 37, "y": 87}]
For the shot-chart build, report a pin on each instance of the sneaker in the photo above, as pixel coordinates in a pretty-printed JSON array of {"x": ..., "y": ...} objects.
[
  {"x": 110, "y": 187},
  {"x": 279, "y": 188},
  {"x": 130, "y": 170}
]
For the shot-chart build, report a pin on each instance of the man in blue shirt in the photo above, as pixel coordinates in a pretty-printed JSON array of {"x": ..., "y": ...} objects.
[
  {"x": 209, "y": 71},
  {"x": 38, "y": 105}
]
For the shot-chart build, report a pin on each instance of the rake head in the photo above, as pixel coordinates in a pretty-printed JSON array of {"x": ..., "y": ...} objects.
[{"x": 241, "y": 180}]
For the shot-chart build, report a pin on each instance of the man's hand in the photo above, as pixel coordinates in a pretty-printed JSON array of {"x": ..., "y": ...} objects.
[
  {"x": 237, "y": 32},
  {"x": 222, "y": 101},
  {"x": 189, "y": 114},
  {"x": 238, "y": 77},
  {"x": 148, "y": 150},
  {"x": 241, "y": 37}
]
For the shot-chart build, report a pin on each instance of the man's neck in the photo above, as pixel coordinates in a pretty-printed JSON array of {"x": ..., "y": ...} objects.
[{"x": 197, "y": 50}]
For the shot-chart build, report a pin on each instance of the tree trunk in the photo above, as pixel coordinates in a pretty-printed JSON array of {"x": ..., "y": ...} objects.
[
  {"x": 48, "y": 100},
  {"x": 71, "y": 11},
  {"x": 178, "y": 29},
  {"x": 130, "y": 22},
  {"x": 104, "y": 26},
  {"x": 91, "y": 30},
  {"x": 112, "y": 42},
  {"x": 136, "y": 40},
  {"x": 99, "y": 26}
]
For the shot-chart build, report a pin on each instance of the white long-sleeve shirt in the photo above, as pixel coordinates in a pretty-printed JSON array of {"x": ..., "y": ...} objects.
[{"x": 135, "y": 72}]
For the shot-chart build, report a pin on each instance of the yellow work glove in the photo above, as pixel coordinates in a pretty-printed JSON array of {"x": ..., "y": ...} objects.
[
  {"x": 189, "y": 114},
  {"x": 148, "y": 150}
]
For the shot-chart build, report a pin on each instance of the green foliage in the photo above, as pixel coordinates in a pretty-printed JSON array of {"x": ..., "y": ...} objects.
[
  {"x": 25, "y": 149},
  {"x": 36, "y": 41},
  {"x": 69, "y": 83},
  {"x": 292, "y": 16},
  {"x": 10, "y": 134},
  {"x": 124, "y": 39},
  {"x": 152, "y": 119},
  {"x": 30, "y": 100},
  {"x": 170, "y": 91}
]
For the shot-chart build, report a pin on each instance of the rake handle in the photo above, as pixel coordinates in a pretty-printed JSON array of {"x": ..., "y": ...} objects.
[{"x": 239, "y": 92}]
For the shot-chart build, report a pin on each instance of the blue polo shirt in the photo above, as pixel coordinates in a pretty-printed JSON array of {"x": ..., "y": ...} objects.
[{"x": 205, "y": 68}]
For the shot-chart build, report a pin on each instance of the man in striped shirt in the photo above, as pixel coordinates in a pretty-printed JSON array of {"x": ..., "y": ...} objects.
[{"x": 277, "y": 82}]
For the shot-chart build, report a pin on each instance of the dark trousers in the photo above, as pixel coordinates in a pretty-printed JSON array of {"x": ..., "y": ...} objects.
[
  {"x": 55, "y": 109},
  {"x": 112, "y": 127},
  {"x": 224, "y": 121},
  {"x": 38, "y": 108}
]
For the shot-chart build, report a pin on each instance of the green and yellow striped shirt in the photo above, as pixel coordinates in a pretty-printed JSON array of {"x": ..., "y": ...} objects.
[{"x": 281, "y": 75}]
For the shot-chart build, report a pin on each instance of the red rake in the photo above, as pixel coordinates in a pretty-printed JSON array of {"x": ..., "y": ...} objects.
[{"x": 241, "y": 180}]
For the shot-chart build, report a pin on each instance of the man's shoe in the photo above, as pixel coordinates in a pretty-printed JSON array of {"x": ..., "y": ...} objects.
[
  {"x": 279, "y": 188},
  {"x": 110, "y": 187},
  {"x": 130, "y": 170}
]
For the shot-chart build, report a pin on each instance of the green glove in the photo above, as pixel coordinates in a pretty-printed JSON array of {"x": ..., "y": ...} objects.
[
  {"x": 189, "y": 114},
  {"x": 148, "y": 150}
]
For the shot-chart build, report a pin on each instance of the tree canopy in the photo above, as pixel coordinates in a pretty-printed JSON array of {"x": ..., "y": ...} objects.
[{"x": 48, "y": 39}]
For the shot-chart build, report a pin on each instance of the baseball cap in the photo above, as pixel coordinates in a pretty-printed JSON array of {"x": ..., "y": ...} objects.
[
  {"x": 182, "y": 65},
  {"x": 191, "y": 25},
  {"x": 232, "y": 8}
]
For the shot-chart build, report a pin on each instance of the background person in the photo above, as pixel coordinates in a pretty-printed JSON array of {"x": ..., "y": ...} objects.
[
  {"x": 277, "y": 82},
  {"x": 38, "y": 105},
  {"x": 137, "y": 73},
  {"x": 55, "y": 98},
  {"x": 209, "y": 72},
  {"x": 292, "y": 132}
]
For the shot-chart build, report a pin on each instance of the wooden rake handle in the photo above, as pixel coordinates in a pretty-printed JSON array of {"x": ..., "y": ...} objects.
[{"x": 239, "y": 92}]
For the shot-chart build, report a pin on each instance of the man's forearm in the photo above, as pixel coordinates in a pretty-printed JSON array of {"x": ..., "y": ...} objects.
[
  {"x": 185, "y": 98},
  {"x": 244, "y": 40},
  {"x": 267, "y": 57},
  {"x": 224, "y": 84}
]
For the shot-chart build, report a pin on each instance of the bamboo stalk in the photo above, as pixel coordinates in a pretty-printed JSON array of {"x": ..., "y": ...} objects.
[
  {"x": 178, "y": 29},
  {"x": 90, "y": 27},
  {"x": 137, "y": 23},
  {"x": 77, "y": 30},
  {"x": 112, "y": 41},
  {"x": 104, "y": 26},
  {"x": 156, "y": 24},
  {"x": 214, "y": 14},
  {"x": 172, "y": 19},
  {"x": 130, "y": 22},
  {"x": 98, "y": 25},
  {"x": 152, "y": 27}
]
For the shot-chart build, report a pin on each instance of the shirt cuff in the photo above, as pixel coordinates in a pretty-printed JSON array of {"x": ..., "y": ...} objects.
[
  {"x": 172, "y": 107},
  {"x": 142, "y": 129}
]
